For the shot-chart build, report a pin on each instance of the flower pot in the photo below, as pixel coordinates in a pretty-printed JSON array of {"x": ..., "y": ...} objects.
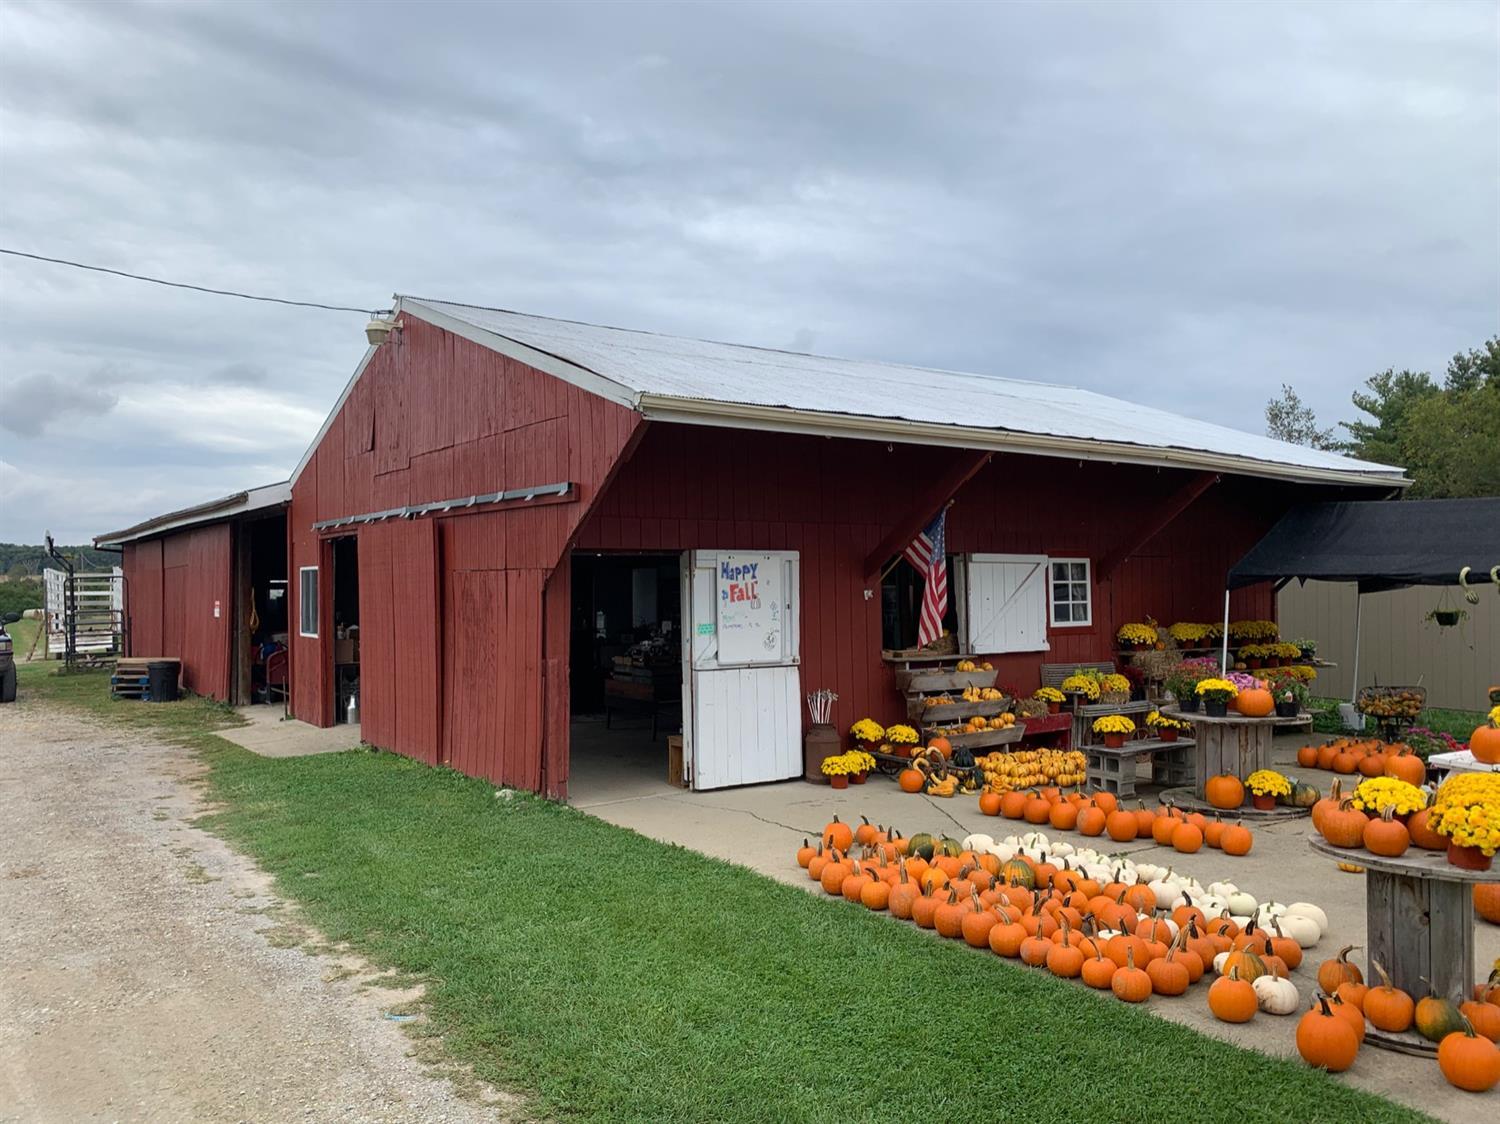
[
  {"x": 1188, "y": 705},
  {"x": 1445, "y": 618},
  {"x": 1252, "y": 664},
  {"x": 1273, "y": 661},
  {"x": 1167, "y": 735},
  {"x": 1216, "y": 708},
  {"x": 1286, "y": 710},
  {"x": 1468, "y": 858},
  {"x": 839, "y": 781},
  {"x": 858, "y": 778},
  {"x": 1053, "y": 708},
  {"x": 1263, "y": 803},
  {"x": 1114, "y": 741}
]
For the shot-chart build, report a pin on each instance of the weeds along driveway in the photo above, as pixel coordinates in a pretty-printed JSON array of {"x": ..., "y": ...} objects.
[{"x": 147, "y": 976}]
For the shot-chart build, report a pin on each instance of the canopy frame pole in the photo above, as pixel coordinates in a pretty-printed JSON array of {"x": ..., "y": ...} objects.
[
  {"x": 1359, "y": 605},
  {"x": 1224, "y": 651}
]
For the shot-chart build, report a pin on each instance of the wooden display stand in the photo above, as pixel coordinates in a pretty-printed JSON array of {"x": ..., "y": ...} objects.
[
  {"x": 1419, "y": 923},
  {"x": 1232, "y": 744},
  {"x": 1113, "y": 770},
  {"x": 938, "y": 675}
]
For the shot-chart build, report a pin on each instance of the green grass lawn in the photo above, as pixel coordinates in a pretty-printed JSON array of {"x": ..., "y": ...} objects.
[
  {"x": 22, "y": 633},
  {"x": 609, "y": 977}
]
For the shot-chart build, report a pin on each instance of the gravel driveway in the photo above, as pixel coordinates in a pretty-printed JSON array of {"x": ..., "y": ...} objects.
[{"x": 146, "y": 968}]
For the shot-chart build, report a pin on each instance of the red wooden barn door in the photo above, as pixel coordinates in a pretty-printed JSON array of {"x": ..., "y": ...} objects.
[{"x": 398, "y": 637}]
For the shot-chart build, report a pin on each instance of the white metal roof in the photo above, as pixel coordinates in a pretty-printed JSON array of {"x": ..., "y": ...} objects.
[
  {"x": 688, "y": 380},
  {"x": 240, "y": 503}
]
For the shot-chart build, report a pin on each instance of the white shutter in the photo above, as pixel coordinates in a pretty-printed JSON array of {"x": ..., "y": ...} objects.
[{"x": 1007, "y": 603}]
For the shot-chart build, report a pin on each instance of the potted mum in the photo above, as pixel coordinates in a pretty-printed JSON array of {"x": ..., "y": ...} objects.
[
  {"x": 1185, "y": 677},
  {"x": 1083, "y": 687},
  {"x": 1136, "y": 636},
  {"x": 1051, "y": 696},
  {"x": 836, "y": 769},
  {"x": 867, "y": 733},
  {"x": 1166, "y": 727},
  {"x": 1115, "y": 728},
  {"x": 1466, "y": 811},
  {"x": 1215, "y": 694},
  {"x": 861, "y": 762},
  {"x": 901, "y": 739},
  {"x": 1265, "y": 786}
]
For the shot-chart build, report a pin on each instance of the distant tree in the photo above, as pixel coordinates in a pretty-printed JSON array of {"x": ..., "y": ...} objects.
[
  {"x": 18, "y": 570},
  {"x": 1288, "y": 418},
  {"x": 1388, "y": 400},
  {"x": 1451, "y": 443},
  {"x": 1471, "y": 369}
]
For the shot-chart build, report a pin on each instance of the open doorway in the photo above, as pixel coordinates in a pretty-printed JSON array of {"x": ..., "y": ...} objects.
[
  {"x": 260, "y": 650},
  {"x": 345, "y": 655},
  {"x": 626, "y": 674}
]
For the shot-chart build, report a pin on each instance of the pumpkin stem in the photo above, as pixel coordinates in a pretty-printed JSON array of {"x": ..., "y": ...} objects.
[
  {"x": 1381, "y": 972},
  {"x": 1323, "y": 999}
]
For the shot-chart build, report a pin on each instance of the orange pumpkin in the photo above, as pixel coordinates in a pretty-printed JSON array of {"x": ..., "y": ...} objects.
[
  {"x": 1224, "y": 791},
  {"x": 942, "y": 745},
  {"x": 1484, "y": 744},
  {"x": 1256, "y": 702},
  {"x": 1422, "y": 835},
  {"x": 1405, "y": 765},
  {"x": 1327, "y": 752},
  {"x": 989, "y": 803},
  {"x": 1487, "y": 900},
  {"x": 1307, "y": 757},
  {"x": 1469, "y": 1061}
]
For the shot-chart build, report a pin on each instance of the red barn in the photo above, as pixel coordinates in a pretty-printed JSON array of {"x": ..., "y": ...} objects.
[{"x": 499, "y": 505}]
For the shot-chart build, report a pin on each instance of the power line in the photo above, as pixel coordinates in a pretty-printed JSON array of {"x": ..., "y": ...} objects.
[{"x": 195, "y": 288}]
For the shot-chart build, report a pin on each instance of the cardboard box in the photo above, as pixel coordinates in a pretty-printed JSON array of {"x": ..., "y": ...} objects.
[{"x": 346, "y": 650}]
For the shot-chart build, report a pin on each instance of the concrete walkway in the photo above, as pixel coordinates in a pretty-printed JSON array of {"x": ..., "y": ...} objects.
[
  {"x": 269, "y": 734},
  {"x": 760, "y": 827}
]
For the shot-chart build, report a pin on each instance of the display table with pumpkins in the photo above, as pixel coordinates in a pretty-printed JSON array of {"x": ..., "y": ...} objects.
[
  {"x": 1419, "y": 926},
  {"x": 1236, "y": 743}
]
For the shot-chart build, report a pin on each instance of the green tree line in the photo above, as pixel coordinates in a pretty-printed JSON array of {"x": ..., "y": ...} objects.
[{"x": 1445, "y": 434}]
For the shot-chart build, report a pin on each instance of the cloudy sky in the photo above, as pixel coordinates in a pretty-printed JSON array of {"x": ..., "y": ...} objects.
[{"x": 1181, "y": 204}]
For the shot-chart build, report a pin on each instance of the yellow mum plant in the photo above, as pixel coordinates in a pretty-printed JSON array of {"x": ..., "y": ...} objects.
[
  {"x": 1379, "y": 793},
  {"x": 1466, "y": 809},
  {"x": 1268, "y": 782},
  {"x": 1159, "y": 721},
  {"x": 1113, "y": 724},
  {"x": 861, "y": 760},
  {"x": 1114, "y": 684},
  {"x": 1217, "y": 689},
  {"x": 838, "y": 765},
  {"x": 1303, "y": 672},
  {"x": 1052, "y": 694},
  {"x": 1136, "y": 634},
  {"x": 1186, "y": 632},
  {"x": 1085, "y": 685},
  {"x": 867, "y": 730},
  {"x": 901, "y": 735}
]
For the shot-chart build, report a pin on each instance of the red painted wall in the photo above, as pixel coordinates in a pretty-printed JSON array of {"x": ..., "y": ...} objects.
[
  {"x": 834, "y": 500},
  {"x": 435, "y": 417},
  {"x": 171, "y": 587}
]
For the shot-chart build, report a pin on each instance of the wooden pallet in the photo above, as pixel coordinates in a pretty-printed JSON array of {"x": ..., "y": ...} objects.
[{"x": 130, "y": 686}]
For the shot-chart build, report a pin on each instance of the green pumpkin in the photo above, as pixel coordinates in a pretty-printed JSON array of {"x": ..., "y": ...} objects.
[
  {"x": 951, "y": 847},
  {"x": 922, "y": 845},
  {"x": 1436, "y": 1018},
  {"x": 1017, "y": 873},
  {"x": 1303, "y": 795}
]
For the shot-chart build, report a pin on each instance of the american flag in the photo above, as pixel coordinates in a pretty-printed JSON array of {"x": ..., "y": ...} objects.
[{"x": 928, "y": 553}]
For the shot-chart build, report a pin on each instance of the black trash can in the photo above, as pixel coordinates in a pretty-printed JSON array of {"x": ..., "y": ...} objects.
[{"x": 162, "y": 677}]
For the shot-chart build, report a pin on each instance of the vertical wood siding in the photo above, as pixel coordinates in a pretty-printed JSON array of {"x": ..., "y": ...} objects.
[
  {"x": 171, "y": 586},
  {"x": 436, "y": 417},
  {"x": 834, "y": 500},
  {"x": 1397, "y": 646}
]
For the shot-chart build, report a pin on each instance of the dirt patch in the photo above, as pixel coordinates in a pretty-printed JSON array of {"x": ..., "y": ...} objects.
[{"x": 152, "y": 974}]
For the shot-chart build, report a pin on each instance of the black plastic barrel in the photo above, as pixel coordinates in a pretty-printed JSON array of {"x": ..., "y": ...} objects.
[{"x": 162, "y": 676}]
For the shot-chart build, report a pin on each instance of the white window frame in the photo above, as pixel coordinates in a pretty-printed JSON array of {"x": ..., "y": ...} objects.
[
  {"x": 1088, "y": 581},
  {"x": 302, "y": 572}
]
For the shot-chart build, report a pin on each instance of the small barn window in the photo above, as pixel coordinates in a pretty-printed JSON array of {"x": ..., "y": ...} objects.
[
  {"x": 1071, "y": 593},
  {"x": 1007, "y": 603},
  {"x": 307, "y": 594}
]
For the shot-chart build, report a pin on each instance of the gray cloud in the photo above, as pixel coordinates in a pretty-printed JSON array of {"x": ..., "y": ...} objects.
[
  {"x": 1181, "y": 204},
  {"x": 34, "y": 402}
]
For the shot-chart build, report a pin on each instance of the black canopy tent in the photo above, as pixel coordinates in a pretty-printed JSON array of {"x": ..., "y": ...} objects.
[{"x": 1378, "y": 544}]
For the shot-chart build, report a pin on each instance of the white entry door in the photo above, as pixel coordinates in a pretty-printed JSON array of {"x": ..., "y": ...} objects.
[{"x": 743, "y": 716}]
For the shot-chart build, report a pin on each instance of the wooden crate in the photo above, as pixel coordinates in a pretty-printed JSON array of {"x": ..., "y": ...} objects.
[
  {"x": 955, "y": 712},
  {"x": 986, "y": 739},
  {"x": 931, "y": 682}
]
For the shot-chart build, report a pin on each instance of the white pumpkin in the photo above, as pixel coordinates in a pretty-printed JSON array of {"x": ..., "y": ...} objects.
[
  {"x": 1147, "y": 872},
  {"x": 1240, "y": 919},
  {"x": 1003, "y": 851},
  {"x": 1303, "y": 930},
  {"x": 1307, "y": 909},
  {"x": 1210, "y": 905},
  {"x": 978, "y": 842},
  {"x": 1275, "y": 996},
  {"x": 1034, "y": 840},
  {"x": 1219, "y": 962},
  {"x": 1241, "y": 903},
  {"x": 1060, "y": 850},
  {"x": 1163, "y": 890},
  {"x": 1222, "y": 889}
]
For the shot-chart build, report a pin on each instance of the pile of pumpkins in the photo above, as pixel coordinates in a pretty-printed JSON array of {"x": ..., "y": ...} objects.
[
  {"x": 1227, "y": 792},
  {"x": 1005, "y": 772},
  {"x": 1101, "y": 814},
  {"x": 970, "y": 665},
  {"x": 1387, "y": 835},
  {"x": 1137, "y": 930},
  {"x": 1330, "y": 1034},
  {"x": 1368, "y": 757}
]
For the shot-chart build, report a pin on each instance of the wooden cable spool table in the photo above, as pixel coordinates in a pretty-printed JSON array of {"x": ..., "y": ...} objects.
[
  {"x": 1233, "y": 744},
  {"x": 1419, "y": 923}
]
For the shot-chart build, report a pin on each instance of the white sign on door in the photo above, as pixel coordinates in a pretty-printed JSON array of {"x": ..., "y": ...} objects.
[{"x": 751, "y": 608}]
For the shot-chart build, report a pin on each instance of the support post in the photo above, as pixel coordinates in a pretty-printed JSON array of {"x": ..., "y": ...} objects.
[
  {"x": 1224, "y": 640},
  {"x": 1359, "y": 605}
]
